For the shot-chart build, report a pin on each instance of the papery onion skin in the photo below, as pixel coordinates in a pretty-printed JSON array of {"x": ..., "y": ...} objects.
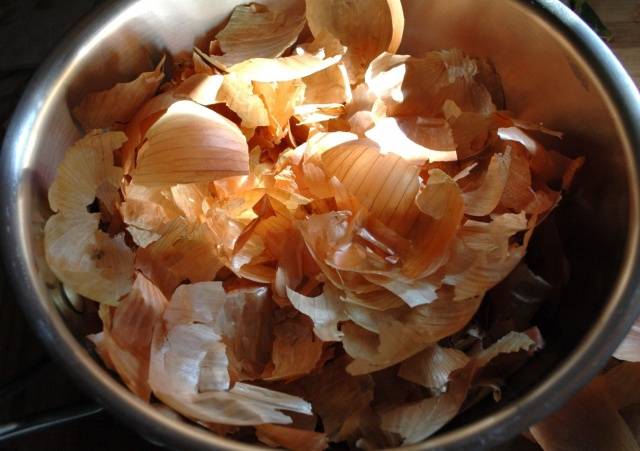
[
  {"x": 296, "y": 234},
  {"x": 118, "y": 104},
  {"x": 208, "y": 147}
]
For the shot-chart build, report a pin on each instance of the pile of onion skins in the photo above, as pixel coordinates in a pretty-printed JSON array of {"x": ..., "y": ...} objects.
[{"x": 290, "y": 235}]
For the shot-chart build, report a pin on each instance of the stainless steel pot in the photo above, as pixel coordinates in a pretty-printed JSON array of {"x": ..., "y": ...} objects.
[{"x": 554, "y": 69}]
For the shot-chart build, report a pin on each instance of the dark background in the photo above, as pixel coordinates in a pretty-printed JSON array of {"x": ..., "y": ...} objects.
[{"x": 28, "y": 31}]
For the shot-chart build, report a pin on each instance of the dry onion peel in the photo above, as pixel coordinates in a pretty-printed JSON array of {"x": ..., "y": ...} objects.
[
  {"x": 126, "y": 343},
  {"x": 296, "y": 351},
  {"x": 184, "y": 251},
  {"x": 403, "y": 333},
  {"x": 280, "y": 100},
  {"x": 324, "y": 310},
  {"x": 485, "y": 199},
  {"x": 285, "y": 68},
  {"x": 587, "y": 421},
  {"x": 366, "y": 28},
  {"x": 441, "y": 203},
  {"x": 621, "y": 382},
  {"x": 189, "y": 362},
  {"x": 419, "y": 86},
  {"x": 629, "y": 349},
  {"x": 433, "y": 366},
  {"x": 328, "y": 86},
  {"x": 238, "y": 93},
  {"x": 392, "y": 139},
  {"x": 386, "y": 185},
  {"x": 290, "y": 438},
  {"x": 86, "y": 166},
  {"x": 329, "y": 278},
  {"x": 202, "y": 88},
  {"x": 86, "y": 259},
  {"x": 255, "y": 31},
  {"x": 188, "y": 144},
  {"x": 419, "y": 420},
  {"x": 118, "y": 104}
]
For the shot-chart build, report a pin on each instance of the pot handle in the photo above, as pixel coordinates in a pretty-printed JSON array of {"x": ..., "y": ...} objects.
[
  {"x": 47, "y": 419},
  {"x": 42, "y": 420}
]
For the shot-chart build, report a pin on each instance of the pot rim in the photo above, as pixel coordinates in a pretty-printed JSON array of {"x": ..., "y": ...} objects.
[{"x": 622, "y": 99}]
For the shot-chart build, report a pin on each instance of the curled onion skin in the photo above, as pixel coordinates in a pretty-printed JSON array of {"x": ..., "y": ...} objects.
[
  {"x": 255, "y": 31},
  {"x": 118, "y": 104},
  {"x": 366, "y": 28},
  {"x": 190, "y": 144},
  {"x": 296, "y": 230},
  {"x": 588, "y": 420},
  {"x": 386, "y": 185}
]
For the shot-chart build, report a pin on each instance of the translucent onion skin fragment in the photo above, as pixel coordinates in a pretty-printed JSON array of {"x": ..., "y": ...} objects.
[
  {"x": 118, "y": 104},
  {"x": 238, "y": 94},
  {"x": 485, "y": 199},
  {"x": 189, "y": 368},
  {"x": 190, "y": 144},
  {"x": 86, "y": 259},
  {"x": 291, "y": 438},
  {"x": 629, "y": 349},
  {"x": 255, "y": 31},
  {"x": 86, "y": 165},
  {"x": 128, "y": 334},
  {"x": 622, "y": 384},
  {"x": 325, "y": 311},
  {"x": 365, "y": 27},
  {"x": 402, "y": 333},
  {"x": 416, "y": 421},
  {"x": 136, "y": 128},
  {"x": 386, "y": 185},
  {"x": 325, "y": 217},
  {"x": 588, "y": 421},
  {"x": 286, "y": 68},
  {"x": 420, "y": 86},
  {"x": 433, "y": 366},
  {"x": 337, "y": 396},
  {"x": 442, "y": 205},
  {"x": 184, "y": 251}
]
